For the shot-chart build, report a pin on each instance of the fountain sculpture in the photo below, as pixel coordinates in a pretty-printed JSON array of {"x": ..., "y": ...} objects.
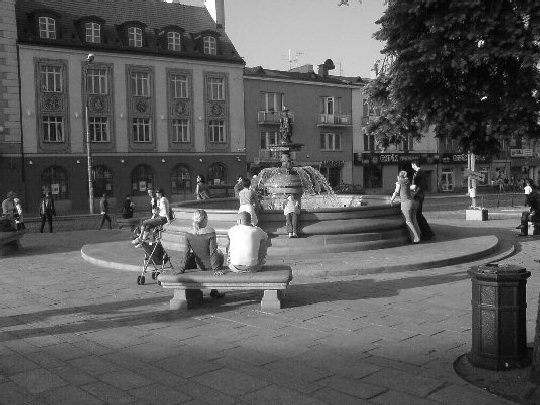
[{"x": 328, "y": 223}]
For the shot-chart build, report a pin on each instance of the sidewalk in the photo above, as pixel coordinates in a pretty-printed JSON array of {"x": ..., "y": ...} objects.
[{"x": 72, "y": 332}]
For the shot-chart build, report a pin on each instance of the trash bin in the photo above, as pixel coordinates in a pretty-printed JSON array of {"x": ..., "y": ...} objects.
[{"x": 499, "y": 334}]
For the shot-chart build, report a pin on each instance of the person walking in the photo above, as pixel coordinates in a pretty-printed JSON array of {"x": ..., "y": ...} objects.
[
  {"x": 47, "y": 210},
  {"x": 104, "y": 207},
  {"x": 419, "y": 186},
  {"x": 409, "y": 206},
  {"x": 201, "y": 189}
]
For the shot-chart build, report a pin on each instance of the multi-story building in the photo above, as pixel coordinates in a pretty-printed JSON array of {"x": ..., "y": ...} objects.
[
  {"x": 161, "y": 97},
  {"x": 321, "y": 109}
]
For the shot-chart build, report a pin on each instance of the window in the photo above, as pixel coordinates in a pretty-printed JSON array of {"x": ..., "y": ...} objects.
[
  {"x": 373, "y": 175},
  {"x": 217, "y": 174},
  {"x": 54, "y": 179},
  {"x": 328, "y": 105},
  {"x": 53, "y": 128},
  {"x": 330, "y": 141},
  {"x": 180, "y": 180},
  {"x": 216, "y": 88},
  {"x": 269, "y": 138},
  {"x": 47, "y": 28},
  {"x": 142, "y": 179},
  {"x": 180, "y": 130},
  {"x": 174, "y": 41},
  {"x": 97, "y": 81},
  {"x": 102, "y": 181},
  {"x": 179, "y": 84},
  {"x": 272, "y": 102},
  {"x": 93, "y": 32},
  {"x": 209, "y": 45},
  {"x": 51, "y": 78},
  {"x": 406, "y": 144},
  {"x": 141, "y": 130},
  {"x": 135, "y": 37},
  {"x": 140, "y": 83},
  {"x": 99, "y": 129},
  {"x": 370, "y": 143},
  {"x": 216, "y": 131}
]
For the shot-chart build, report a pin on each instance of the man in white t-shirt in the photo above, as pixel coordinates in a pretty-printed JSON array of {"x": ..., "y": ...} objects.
[{"x": 247, "y": 246}]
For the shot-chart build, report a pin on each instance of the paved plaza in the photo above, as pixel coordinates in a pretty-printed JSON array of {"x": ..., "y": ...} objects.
[{"x": 73, "y": 332}]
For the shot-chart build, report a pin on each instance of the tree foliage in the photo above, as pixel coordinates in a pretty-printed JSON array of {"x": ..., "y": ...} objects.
[{"x": 468, "y": 67}]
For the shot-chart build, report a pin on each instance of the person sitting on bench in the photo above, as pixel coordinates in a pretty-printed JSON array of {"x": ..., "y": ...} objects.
[
  {"x": 202, "y": 249},
  {"x": 532, "y": 200},
  {"x": 247, "y": 246}
]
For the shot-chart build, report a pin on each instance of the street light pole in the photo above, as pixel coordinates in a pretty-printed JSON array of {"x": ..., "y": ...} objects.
[{"x": 89, "y": 60}]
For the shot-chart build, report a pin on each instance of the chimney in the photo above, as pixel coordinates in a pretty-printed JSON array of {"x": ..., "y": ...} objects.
[
  {"x": 302, "y": 69},
  {"x": 216, "y": 8},
  {"x": 325, "y": 67}
]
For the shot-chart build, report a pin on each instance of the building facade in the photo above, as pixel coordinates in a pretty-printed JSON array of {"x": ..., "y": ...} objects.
[
  {"x": 321, "y": 109},
  {"x": 157, "y": 87}
]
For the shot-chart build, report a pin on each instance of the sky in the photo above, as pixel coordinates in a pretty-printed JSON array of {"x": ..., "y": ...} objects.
[{"x": 263, "y": 32}]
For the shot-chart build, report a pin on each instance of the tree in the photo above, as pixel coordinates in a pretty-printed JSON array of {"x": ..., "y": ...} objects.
[{"x": 467, "y": 67}]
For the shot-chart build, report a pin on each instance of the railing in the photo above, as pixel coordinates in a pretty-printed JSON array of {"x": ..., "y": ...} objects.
[
  {"x": 266, "y": 155},
  {"x": 271, "y": 117},
  {"x": 335, "y": 119}
]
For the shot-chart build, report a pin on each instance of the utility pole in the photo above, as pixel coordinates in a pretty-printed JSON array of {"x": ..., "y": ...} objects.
[{"x": 89, "y": 60}]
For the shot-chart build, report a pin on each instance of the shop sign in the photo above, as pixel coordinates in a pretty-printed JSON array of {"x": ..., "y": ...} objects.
[
  {"x": 461, "y": 158},
  {"x": 521, "y": 152},
  {"x": 333, "y": 163},
  {"x": 395, "y": 158}
]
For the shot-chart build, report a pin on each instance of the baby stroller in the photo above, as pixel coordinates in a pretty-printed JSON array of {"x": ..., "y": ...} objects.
[{"x": 155, "y": 255}]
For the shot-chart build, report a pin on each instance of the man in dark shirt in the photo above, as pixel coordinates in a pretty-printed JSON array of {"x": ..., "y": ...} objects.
[
  {"x": 419, "y": 186},
  {"x": 532, "y": 200}
]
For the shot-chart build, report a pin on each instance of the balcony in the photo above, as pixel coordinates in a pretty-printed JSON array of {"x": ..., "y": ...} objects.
[
  {"x": 334, "y": 120},
  {"x": 271, "y": 117},
  {"x": 266, "y": 155}
]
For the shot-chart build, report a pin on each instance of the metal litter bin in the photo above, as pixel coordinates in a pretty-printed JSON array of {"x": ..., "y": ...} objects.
[{"x": 499, "y": 334}]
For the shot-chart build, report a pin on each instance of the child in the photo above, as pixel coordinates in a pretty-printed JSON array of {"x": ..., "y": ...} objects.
[{"x": 291, "y": 211}]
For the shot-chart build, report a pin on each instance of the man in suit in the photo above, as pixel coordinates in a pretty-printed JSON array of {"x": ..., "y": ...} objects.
[
  {"x": 47, "y": 210},
  {"x": 419, "y": 186}
]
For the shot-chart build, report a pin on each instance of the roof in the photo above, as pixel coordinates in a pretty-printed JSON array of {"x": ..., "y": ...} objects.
[
  {"x": 311, "y": 76},
  {"x": 154, "y": 14}
]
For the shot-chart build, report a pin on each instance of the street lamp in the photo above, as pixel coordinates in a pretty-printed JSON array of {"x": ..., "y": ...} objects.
[{"x": 89, "y": 60}]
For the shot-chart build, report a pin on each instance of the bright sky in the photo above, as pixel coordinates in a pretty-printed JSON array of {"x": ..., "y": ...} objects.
[{"x": 263, "y": 31}]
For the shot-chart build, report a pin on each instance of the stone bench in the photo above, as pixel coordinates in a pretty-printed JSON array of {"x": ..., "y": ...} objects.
[
  {"x": 10, "y": 241},
  {"x": 132, "y": 223},
  {"x": 187, "y": 286}
]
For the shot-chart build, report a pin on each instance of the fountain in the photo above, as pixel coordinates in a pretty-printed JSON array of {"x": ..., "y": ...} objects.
[{"x": 328, "y": 223}]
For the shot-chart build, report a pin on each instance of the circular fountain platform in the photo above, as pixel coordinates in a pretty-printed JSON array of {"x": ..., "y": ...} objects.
[{"x": 370, "y": 223}]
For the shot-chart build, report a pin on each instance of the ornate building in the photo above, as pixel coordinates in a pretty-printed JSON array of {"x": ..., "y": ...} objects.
[{"x": 157, "y": 85}]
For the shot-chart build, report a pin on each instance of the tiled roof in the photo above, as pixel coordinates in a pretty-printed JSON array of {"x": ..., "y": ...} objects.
[
  {"x": 259, "y": 71},
  {"x": 155, "y": 14}
]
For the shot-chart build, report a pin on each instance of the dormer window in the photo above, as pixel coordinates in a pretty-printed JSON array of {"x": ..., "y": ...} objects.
[
  {"x": 47, "y": 27},
  {"x": 135, "y": 37},
  {"x": 209, "y": 45},
  {"x": 174, "y": 41},
  {"x": 93, "y": 32}
]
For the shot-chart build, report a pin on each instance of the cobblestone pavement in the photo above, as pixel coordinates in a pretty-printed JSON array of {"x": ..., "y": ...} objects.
[{"x": 75, "y": 333}]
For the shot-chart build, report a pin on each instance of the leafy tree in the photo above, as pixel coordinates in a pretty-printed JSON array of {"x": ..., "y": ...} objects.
[{"x": 468, "y": 67}]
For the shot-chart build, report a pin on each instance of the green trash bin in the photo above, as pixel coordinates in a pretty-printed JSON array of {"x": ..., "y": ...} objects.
[{"x": 499, "y": 334}]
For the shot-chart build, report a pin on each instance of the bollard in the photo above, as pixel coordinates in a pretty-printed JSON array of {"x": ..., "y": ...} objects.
[{"x": 499, "y": 334}]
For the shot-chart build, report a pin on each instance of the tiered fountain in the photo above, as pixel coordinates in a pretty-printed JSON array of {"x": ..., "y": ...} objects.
[{"x": 328, "y": 223}]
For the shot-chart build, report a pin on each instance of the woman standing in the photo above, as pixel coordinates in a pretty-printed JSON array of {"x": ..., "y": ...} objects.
[
  {"x": 201, "y": 189},
  {"x": 409, "y": 206}
]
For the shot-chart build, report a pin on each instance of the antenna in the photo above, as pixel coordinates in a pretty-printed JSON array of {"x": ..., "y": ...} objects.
[{"x": 292, "y": 59}]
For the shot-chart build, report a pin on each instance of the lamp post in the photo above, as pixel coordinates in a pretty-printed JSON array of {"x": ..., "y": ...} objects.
[{"x": 89, "y": 60}]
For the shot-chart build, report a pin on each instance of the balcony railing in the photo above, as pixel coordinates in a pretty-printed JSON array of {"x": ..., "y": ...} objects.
[
  {"x": 267, "y": 155},
  {"x": 335, "y": 119},
  {"x": 271, "y": 117}
]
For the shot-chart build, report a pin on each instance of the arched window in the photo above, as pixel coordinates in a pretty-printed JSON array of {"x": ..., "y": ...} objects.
[
  {"x": 103, "y": 181},
  {"x": 217, "y": 174},
  {"x": 55, "y": 180},
  {"x": 142, "y": 178},
  {"x": 180, "y": 180}
]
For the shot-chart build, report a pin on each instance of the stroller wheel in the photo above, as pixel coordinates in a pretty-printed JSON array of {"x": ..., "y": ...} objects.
[
  {"x": 142, "y": 280},
  {"x": 139, "y": 280},
  {"x": 154, "y": 275}
]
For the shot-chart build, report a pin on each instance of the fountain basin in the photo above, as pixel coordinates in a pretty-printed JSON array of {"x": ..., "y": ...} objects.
[{"x": 372, "y": 224}]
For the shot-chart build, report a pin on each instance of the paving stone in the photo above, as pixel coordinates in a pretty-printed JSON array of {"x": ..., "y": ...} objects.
[
  {"x": 394, "y": 397},
  {"x": 298, "y": 369},
  {"x": 69, "y": 395},
  {"x": 38, "y": 380},
  {"x": 159, "y": 395},
  {"x": 65, "y": 351},
  {"x": 93, "y": 365},
  {"x": 331, "y": 396},
  {"x": 231, "y": 382},
  {"x": 274, "y": 394},
  {"x": 74, "y": 375},
  {"x": 186, "y": 365},
  {"x": 124, "y": 380},
  {"x": 108, "y": 393},
  {"x": 460, "y": 395},
  {"x": 14, "y": 364},
  {"x": 403, "y": 382},
  {"x": 352, "y": 387},
  {"x": 13, "y": 394}
]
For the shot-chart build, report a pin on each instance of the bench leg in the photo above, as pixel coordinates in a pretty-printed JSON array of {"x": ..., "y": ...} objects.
[
  {"x": 183, "y": 300},
  {"x": 271, "y": 300}
]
